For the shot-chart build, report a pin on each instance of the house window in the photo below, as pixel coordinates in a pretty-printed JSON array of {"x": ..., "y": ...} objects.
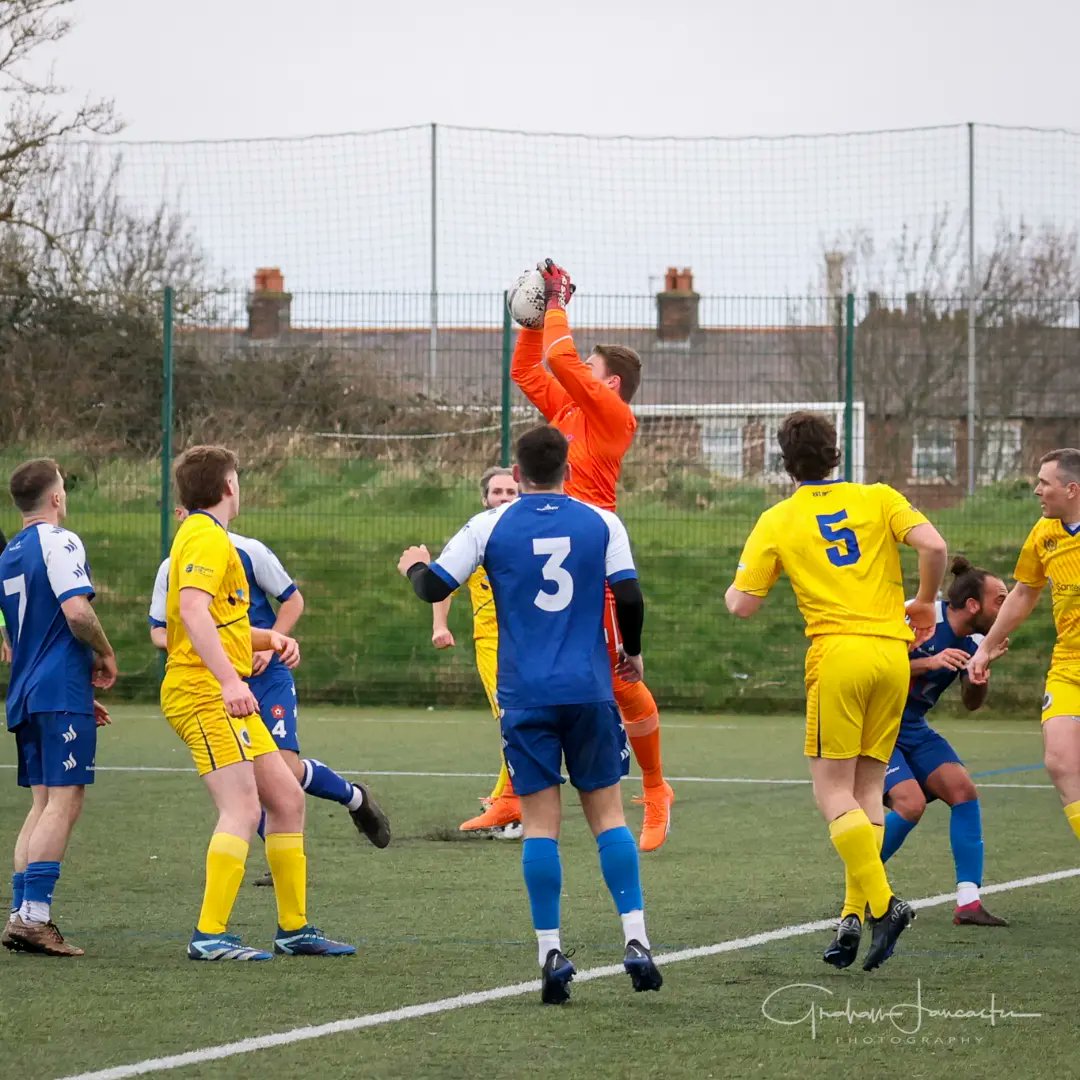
[
  {"x": 722, "y": 445},
  {"x": 933, "y": 455},
  {"x": 1002, "y": 447},
  {"x": 774, "y": 471}
]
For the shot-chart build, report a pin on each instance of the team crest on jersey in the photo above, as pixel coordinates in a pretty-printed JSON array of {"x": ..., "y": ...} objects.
[
  {"x": 1048, "y": 700},
  {"x": 1049, "y": 543},
  {"x": 245, "y": 738},
  {"x": 278, "y": 712}
]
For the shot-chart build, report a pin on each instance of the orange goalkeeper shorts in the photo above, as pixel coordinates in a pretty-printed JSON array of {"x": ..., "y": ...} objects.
[{"x": 635, "y": 701}]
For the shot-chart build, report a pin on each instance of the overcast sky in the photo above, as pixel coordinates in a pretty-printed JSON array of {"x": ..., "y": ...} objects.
[{"x": 230, "y": 68}]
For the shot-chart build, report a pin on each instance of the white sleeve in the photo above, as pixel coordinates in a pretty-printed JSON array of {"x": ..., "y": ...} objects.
[
  {"x": 270, "y": 575},
  {"x": 160, "y": 594},
  {"x": 618, "y": 559},
  {"x": 464, "y": 551},
  {"x": 65, "y": 563}
]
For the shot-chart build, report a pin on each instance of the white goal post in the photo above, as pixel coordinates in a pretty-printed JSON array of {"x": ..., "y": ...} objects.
[{"x": 731, "y": 432}]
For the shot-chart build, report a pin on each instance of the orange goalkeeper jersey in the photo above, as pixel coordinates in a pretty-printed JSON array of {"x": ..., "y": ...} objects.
[{"x": 597, "y": 423}]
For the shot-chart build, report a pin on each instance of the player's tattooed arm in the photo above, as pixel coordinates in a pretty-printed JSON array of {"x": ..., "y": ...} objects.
[{"x": 83, "y": 622}]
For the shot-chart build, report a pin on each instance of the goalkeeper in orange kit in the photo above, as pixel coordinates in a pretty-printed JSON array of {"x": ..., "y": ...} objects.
[{"x": 589, "y": 402}]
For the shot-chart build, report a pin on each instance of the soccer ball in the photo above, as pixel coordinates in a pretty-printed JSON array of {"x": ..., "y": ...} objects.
[{"x": 525, "y": 299}]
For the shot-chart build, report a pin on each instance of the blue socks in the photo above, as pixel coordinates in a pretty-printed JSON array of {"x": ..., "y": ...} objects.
[
  {"x": 620, "y": 867},
  {"x": 322, "y": 782},
  {"x": 543, "y": 880},
  {"x": 39, "y": 883},
  {"x": 965, "y": 835},
  {"x": 896, "y": 831},
  {"x": 16, "y": 890}
]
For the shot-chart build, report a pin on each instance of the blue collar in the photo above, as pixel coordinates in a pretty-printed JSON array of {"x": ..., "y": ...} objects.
[
  {"x": 1071, "y": 532},
  {"x": 210, "y": 516},
  {"x": 818, "y": 483}
]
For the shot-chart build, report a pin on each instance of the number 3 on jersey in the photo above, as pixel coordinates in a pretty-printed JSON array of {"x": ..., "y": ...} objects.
[
  {"x": 556, "y": 548},
  {"x": 839, "y": 556}
]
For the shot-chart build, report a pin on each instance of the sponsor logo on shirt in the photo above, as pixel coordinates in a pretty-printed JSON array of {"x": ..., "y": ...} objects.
[
  {"x": 278, "y": 712},
  {"x": 193, "y": 568}
]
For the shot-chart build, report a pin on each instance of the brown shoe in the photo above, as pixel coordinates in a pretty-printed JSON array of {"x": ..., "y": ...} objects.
[
  {"x": 42, "y": 938},
  {"x": 267, "y": 880},
  {"x": 976, "y": 915},
  {"x": 8, "y": 941}
]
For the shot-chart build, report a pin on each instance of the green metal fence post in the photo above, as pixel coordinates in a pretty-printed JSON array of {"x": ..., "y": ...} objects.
[
  {"x": 166, "y": 418},
  {"x": 849, "y": 386},
  {"x": 505, "y": 419}
]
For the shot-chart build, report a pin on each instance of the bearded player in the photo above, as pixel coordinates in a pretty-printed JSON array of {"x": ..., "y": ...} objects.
[{"x": 590, "y": 404}]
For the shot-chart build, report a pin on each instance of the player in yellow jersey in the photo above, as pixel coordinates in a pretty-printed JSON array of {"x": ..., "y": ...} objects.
[
  {"x": 837, "y": 543},
  {"x": 210, "y": 638},
  {"x": 502, "y": 809},
  {"x": 1051, "y": 556}
]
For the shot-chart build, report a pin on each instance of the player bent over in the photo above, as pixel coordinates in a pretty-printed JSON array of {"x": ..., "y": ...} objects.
[
  {"x": 502, "y": 810},
  {"x": 272, "y": 682},
  {"x": 205, "y": 699},
  {"x": 548, "y": 557},
  {"x": 1051, "y": 555},
  {"x": 59, "y": 654},
  {"x": 924, "y": 766},
  {"x": 837, "y": 542}
]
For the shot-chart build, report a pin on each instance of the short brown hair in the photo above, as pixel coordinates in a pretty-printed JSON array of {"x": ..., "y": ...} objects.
[
  {"x": 31, "y": 480},
  {"x": 808, "y": 445},
  {"x": 541, "y": 456},
  {"x": 1068, "y": 461},
  {"x": 490, "y": 474},
  {"x": 200, "y": 475},
  {"x": 621, "y": 360}
]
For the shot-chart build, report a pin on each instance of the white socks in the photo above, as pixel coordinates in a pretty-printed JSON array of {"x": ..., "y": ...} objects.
[
  {"x": 34, "y": 911},
  {"x": 967, "y": 892},
  {"x": 357, "y": 799},
  {"x": 633, "y": 928},
  {"x": 546, "y": 940}
]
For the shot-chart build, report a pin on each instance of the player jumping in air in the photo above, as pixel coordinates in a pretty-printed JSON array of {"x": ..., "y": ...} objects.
[
  {"x": 924, "y": 766},
  {"x": 272, "y": 682},
  {"x": 837, "y": 542},
  {"x": 59, "y": 654},
  {"x": 1051, "y": 556},
  {"x": 502, "y": 810},
  {"x": 590, "y": 404},
  {"x": 204, "y": 697},
  {"x": 547, "y": 557}
]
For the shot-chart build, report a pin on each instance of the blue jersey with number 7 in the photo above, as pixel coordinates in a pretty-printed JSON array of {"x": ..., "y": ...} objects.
[
  {"x": 547, "y": 558},
  {"x": 838, "y": 544}
]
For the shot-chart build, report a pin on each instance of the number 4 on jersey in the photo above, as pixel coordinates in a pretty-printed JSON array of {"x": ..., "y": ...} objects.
[{"x": 846, "y": 537}]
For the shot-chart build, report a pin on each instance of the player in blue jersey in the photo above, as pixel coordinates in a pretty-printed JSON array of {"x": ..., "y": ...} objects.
[
  {"x": 59, "y": 654},
  {"x": 272, "y": 682},
  {"x": 547, "y": 557},
  {"x": 923, "y": 765}
]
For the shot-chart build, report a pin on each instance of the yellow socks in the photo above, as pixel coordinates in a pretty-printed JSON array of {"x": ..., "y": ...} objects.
[
  {"x": 854, "y": 897},
  {"x": 857, "y": 844},
  {"x": 500, "y": 784},
  {"x": 1072, "y": 812},
  {"x": 288, "y": 867},
  {"x": 225, "y": 858}
]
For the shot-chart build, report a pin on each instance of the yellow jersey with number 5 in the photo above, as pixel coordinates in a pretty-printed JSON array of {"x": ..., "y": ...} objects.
[
  {"x": 838, "y": 544},
  {"x": 483, "y": 606}
]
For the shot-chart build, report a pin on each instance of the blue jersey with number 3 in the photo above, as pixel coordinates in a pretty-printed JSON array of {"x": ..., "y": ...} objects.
[{"x": 547, "y": 558}]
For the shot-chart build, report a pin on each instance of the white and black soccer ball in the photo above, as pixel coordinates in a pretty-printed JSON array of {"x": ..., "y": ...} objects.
[{"x": 525, "y": 299}]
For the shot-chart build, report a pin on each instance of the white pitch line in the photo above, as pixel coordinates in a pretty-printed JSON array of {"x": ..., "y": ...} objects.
[
  {"x": 499, "y": 993},
  {"x": 775, "y": 782}
]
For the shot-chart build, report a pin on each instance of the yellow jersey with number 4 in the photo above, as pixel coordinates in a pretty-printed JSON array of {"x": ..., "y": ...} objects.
[
  {"x": 203, "y": 557},
  {"x": 838, "y": 544},
  {"x": 483, "y": 606},
  {"x": 1051, "y": 555}
]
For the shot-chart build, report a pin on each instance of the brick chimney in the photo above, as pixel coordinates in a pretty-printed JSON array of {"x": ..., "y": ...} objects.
[
  {"x": 268, "y": 305},
  {"x": 677, "y": 306}
]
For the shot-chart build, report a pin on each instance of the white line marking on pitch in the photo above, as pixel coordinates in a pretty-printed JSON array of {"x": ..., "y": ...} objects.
[
  {"x": 499, "y": 993},
  {"x": 491, "y": 776}
]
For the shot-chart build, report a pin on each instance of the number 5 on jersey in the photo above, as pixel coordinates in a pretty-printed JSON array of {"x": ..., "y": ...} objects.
[
  {"x": 849, "y": 552},
  {"x": 556, "y": 548}
]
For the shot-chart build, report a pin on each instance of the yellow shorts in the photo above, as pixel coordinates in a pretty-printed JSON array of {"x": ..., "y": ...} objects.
[
  {"x": 1062, "y": 695},
  {"x": 856, "y": 688},
  {"x": 487, "y": 664},
  {"x": 217, "y": 739}
]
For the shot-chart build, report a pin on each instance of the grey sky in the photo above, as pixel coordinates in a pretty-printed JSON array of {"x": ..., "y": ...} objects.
[
  {"x": 752, "y": 217},
  {"x": 217, "y": 68}
]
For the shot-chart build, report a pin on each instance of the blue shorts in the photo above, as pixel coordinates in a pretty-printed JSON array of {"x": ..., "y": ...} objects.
[
  {"x": 590, "y": 736},
  {"x": 919, "y": 751},
  {"x": 56, "y": 749},
  {"x": 275, "y": 692}
]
